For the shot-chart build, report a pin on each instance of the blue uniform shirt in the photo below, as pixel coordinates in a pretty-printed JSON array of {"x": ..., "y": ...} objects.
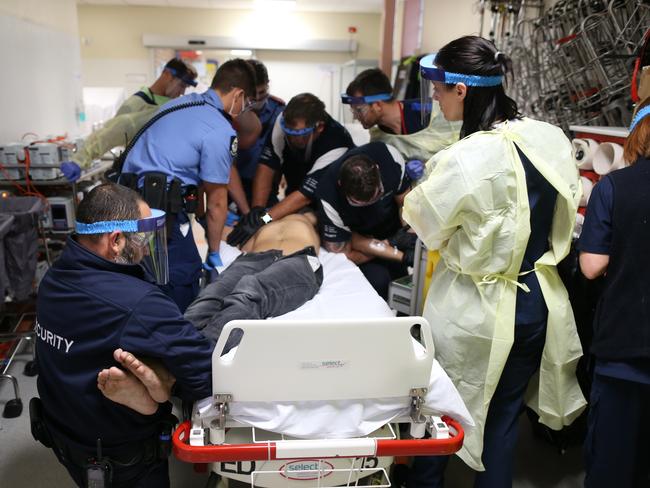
[
  {"x": 412, "y": 117},
  {"x": 194, "y": 144},
  {"x": 338, "y": 219},
  {"x": 87, "y": 307},
  {"x": 247, "y": 159},
  {"x": 596, "y": 238}
]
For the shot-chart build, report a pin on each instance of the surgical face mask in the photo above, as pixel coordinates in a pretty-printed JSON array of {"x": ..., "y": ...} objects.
[
  {"x": 232, "y": 105},
  {"x": 133, "y": 251},
  {"x": 258, "y": 105}
]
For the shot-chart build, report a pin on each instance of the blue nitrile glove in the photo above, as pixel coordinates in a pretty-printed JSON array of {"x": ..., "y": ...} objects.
[
  {"x": 210, "y": 266},
  {"x": 415, "y": 169},
  {"x": 231, "y": 219},
  {"x": 70, "y": 170},
  {"x": 212, "y": 261}
]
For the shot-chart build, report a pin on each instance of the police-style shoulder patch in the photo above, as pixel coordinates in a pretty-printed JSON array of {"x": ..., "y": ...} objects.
[{"x": 233, "y": 146}]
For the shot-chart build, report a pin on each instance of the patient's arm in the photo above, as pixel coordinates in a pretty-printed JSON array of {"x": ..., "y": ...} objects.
[
  {"x": 353, "y": 255},
  {"x": 374, "y": 247}
]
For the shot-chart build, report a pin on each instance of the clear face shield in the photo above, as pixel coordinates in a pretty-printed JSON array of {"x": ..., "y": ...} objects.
[
  {"x": 430, "y": 73},
  {"x": 146, "y": 242},
  {"x": 360, "y": 105}
]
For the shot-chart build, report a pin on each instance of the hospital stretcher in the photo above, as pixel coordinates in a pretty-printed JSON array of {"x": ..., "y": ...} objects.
[{"x": 313, "y": 403}]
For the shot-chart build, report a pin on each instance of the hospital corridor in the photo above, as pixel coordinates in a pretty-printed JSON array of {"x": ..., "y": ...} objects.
[{"x": 319, "y": 244}]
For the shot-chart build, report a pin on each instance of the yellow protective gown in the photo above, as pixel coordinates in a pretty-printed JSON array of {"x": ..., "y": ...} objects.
[
  {"x": 130, "y": 117},
  {"x": 473, "y": 207},
  {"x": 424, "y": 144}
]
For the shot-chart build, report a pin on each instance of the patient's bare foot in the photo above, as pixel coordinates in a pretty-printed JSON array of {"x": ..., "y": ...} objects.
[
  {"x": 154, "y": 376},
  {"x": 124, "y": 388}
]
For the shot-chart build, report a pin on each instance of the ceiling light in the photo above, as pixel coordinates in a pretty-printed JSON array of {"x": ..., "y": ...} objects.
[
  {"x": 275, "y": 4},
  {"x": 241, "y": 52}
]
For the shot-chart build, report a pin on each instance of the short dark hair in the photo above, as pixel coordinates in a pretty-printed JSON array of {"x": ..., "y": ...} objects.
[
  {"x": 359, "y": 177},
  {"x": 261, "y": 74},
  {"x": 483, "y": 106},
  {"x": 108, "y": 202},
  {"x": 236, "y": 73},
  {"x": 305, "y": 106},
  {"x": 370, "y": 82},
  {"x": 182, "y": 69}
]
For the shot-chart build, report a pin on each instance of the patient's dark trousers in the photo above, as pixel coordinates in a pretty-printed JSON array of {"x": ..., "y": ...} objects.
[{"x": 255, "y": 286}]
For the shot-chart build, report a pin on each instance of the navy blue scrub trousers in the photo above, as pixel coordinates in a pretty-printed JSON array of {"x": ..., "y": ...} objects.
[
  {"x": 617, "y": 447},
  {"x": 500, "y": 433}
]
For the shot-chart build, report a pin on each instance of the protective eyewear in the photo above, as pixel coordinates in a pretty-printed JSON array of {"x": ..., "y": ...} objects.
[
  {"x": 296, "y": 132},
  {"x": 429, "y": 71},
  {"x": 644, "y": 112},
  {"x": 366, "y": 99},
  {"x": 185, "y": 77},
  {"x": 149, "y": 233}
]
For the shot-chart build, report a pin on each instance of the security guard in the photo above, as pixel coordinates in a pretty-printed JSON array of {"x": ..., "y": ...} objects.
[
  {"x": 417, "y": 130},
  {"x": 362, "y": 193},
  {"x": 267, "y": 107},
  {"x": 304, "y": 141},
  {"x": 132, "y": 115},
  {"x": 97, "y": 298},
  {"x": 191, "y": 142}
]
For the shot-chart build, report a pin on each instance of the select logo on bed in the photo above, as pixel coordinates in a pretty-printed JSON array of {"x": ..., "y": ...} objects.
[
  {"x": 323, "y": 364},
  {"x": 306, "y": 470}
]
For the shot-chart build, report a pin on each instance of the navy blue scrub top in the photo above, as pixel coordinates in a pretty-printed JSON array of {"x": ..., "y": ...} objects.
[{"x": 596, "y": 238}]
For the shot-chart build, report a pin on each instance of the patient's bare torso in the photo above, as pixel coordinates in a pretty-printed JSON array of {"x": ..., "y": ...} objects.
[{"x": 289, "y": 234}]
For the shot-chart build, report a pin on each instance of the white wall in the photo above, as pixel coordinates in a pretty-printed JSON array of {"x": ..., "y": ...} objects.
[
  {"x": 40, "y": 85},
  {"x": 113, "y": 54},
  {"x": 446, "y": 20}
]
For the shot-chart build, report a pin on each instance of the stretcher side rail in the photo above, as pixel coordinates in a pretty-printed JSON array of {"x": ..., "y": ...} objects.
[{"x": 315, "y": 449}]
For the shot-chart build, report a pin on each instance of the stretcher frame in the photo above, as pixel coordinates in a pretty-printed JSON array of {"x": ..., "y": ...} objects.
[{"x": 320, "y": 350}]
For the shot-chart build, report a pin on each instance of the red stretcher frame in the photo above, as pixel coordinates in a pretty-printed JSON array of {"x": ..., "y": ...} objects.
[{"x": 267, "y": 451}]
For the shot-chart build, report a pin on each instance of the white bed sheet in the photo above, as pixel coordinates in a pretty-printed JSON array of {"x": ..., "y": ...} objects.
[{"x": 344, "y": 294}]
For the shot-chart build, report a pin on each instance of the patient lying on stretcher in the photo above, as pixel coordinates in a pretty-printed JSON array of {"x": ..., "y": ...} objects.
[{"x": 278, "y": 272}]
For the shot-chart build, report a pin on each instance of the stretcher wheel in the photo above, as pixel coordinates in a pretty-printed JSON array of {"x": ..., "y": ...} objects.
[
  {"x": 31, "y": 368},
  {"x": 13, "y": 408}
]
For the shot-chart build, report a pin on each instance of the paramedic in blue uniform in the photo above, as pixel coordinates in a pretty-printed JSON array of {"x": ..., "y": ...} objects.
[
  {"x": 370, "y": 96},
  {"x": 97, "y": 298},
  {"x": 196, "y": 146},
  {"x": 614, "y": 243},
  {"x": 304, "y": 141},
  {"x": 267, "y": 108},
  {"x": 362, "y": 193}
]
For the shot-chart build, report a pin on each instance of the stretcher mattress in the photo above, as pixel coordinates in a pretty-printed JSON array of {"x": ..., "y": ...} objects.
[{"x": 344, "y": 294}]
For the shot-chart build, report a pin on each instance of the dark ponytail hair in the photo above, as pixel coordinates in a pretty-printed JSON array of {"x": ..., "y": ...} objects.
[{"x": 483, "y": 106}]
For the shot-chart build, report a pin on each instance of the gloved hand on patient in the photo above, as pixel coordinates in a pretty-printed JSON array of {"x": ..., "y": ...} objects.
[
  {"x": 212, "y": 262},
  {"x": 405, "y": 240},
  {"x": 415, "y": 169},
  {"x": 247, "y": 226}
]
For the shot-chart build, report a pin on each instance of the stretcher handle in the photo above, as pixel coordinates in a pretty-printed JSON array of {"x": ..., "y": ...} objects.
[{"x": 267, "y": 451}]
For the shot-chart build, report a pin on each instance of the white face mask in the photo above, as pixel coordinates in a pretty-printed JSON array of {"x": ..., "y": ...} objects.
[{"x": 232, "y": 105}]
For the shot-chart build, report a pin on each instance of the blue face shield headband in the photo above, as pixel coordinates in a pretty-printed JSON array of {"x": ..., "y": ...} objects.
[
  {"x": 379, "y": 97},
  {"x": 146, "y": 241},
  {"x": 641, "y": 114},
  {"x": 185, "y": 77},
  {"x": 429, "y": 71},
  {"x": 296, "y": 132}
]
